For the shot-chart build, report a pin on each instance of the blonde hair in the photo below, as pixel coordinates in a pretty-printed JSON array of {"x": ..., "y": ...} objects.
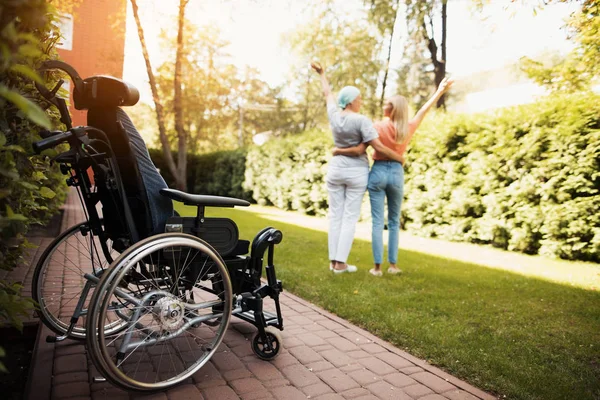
[{"x": 397, "y": 109}]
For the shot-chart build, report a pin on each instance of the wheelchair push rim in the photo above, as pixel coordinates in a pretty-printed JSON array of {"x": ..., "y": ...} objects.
[
  {"x": 58, "y": 280},
  {"x": 177, "y": 301}
]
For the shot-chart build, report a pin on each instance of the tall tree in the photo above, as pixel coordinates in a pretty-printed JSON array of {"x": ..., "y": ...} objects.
[
  {"x": 214, "y": 90},
  {"x": 415, "y": 80},
  {"x": 263, "y": 108},
  {"x": 206, "y": 110},
  {"x": 349, "y": 50},
  {"x": 384, "y": 13},
  {"x": 177, "y": 102},
  {"x": 420, "y": 17},
  {"x": 426, "y": 22},
  {"x": 158, "y": 104}
]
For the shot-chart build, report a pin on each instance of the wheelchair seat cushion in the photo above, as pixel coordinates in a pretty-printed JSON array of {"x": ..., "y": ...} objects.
[{"x": 242, "y": 247}]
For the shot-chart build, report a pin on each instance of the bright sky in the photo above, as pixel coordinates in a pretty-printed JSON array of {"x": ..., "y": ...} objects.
[{"x": 254, "y": 29}]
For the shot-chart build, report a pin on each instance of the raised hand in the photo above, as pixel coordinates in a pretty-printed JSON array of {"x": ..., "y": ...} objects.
[
  {"x": 317, "y": 67},
  {"x": 445, "y": 84}
]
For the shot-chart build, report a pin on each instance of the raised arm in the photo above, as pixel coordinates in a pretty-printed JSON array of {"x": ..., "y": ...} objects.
[
  {"x": 324, "y": 82},
  {"x": 414, "y": 123}
]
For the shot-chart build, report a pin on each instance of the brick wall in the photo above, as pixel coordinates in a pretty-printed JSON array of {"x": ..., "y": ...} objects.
[{"x": 98, "y": 42}]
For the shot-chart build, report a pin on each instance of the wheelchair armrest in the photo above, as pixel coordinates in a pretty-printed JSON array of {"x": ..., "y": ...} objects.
[{"x": 202, "y": 200}]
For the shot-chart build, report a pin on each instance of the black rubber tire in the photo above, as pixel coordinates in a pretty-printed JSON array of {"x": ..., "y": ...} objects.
[{"x": 274, "y": 337}]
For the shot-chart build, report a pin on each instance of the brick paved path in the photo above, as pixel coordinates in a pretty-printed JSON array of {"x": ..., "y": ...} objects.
[{"x": 324, "y": 357}]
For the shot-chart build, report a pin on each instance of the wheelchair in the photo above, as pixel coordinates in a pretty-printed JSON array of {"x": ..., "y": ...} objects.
[{"x": 151, "y": 292}]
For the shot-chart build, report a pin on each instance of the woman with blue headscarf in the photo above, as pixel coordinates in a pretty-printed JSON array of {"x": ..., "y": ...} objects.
[{"x": 347, "y": 176}]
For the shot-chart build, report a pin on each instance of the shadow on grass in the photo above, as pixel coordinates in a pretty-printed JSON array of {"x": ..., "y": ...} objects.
[{"x": 518, "y": 336}]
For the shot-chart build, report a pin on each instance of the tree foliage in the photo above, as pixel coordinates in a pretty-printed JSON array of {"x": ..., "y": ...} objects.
[
  {"x": 214, "y": 90},
  {"x": 425, "y": 33},
  {"x": 158, "y": 103},
  {"x": 579, "y": 68},
  {"x": 30, "y": 191},
  {"x": 349, "y": 49},
  {"x": 424, "y": 54},
  {"x": 384, "y": 14}
]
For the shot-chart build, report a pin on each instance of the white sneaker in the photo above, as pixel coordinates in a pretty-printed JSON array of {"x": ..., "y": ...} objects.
[{"x": 349, "y": 268}]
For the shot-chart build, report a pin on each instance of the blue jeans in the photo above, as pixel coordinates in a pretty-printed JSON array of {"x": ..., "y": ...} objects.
[{"x": 386, "y": 179}]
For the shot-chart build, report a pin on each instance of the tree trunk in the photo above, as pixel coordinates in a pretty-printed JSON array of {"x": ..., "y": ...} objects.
[
  {"x": 177, "y": 103},
  {"x": 389, "y": 55},
  {"x": 157, "y": 103},
  {"x": 441, "y": 103},
  {"x": 439, "y": 66},
  {"x": 307, "y": 105}
]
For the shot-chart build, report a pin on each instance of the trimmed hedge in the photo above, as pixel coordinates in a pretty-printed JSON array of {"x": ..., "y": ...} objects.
[
  {"x": 290, "y": 173},
  {"x": 523, "y": 178},
  {"x": 219, "y": 174}
]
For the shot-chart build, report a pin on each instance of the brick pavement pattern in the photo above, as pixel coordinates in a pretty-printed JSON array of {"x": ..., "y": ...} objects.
[{"x": 324, "y": 358}]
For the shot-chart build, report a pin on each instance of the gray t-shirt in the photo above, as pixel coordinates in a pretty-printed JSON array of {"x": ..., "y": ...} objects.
[{"x": 349, "y": 130}]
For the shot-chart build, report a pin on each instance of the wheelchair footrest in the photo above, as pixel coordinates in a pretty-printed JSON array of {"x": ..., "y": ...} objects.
[{"x": 248, "y": 316}]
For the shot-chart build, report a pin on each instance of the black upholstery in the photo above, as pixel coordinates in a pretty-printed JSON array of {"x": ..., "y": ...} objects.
[
  {"x": 202, "y": 200},
  {"x": 102, "y": 91},
  {"x": 140, "y": 177},
  {"x": 221, "y": 233}
]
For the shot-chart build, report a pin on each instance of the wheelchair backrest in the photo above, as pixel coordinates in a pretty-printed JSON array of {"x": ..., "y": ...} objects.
[{"x": 141, "y": 180}]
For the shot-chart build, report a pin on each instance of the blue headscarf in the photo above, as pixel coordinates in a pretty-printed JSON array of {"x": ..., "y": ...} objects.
[{"x": 347, "y": 96}]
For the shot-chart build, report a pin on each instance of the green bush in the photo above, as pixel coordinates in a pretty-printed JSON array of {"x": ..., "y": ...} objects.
[
  {"x": 219, "y": 174},
  {"x": 290, "y": 173},
  {"x": 30, "y": 191},
  {"x": 523, "y": 178}
]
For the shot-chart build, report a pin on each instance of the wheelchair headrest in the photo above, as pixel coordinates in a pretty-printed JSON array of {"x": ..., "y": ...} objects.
[{"x": 105, "y": 91}]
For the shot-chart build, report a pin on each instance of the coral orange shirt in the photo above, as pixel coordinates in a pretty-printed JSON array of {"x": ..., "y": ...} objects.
[{"x": 387, "y": 134}]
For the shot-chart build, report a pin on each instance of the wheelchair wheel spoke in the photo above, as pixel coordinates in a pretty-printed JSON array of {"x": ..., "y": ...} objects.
[
  {"x": 166, "y": 339},
  {"x": 58, "y": 281}
]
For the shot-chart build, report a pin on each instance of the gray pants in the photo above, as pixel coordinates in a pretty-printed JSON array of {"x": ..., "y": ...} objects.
[{"x": 346, "y": 189}]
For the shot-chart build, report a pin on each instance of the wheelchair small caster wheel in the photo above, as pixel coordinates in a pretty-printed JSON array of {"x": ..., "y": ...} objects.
[{"x": 259, "y": 347}]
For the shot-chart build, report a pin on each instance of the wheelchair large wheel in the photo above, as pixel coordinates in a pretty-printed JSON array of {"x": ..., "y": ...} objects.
[
  {"x": 58, "y": 280},
  {"x": 174, "y": 292}
]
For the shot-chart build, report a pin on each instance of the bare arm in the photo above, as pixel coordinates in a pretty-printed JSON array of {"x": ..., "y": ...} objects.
[
  {"x": 324, "y": 82},
  {"x": 389, "y": 153},
  {"x": 354, "y": 151},
  {"x": 420, "y": 115}
]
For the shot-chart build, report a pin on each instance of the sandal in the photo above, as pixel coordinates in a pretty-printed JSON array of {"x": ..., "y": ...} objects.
[
  {"x": 394, "y": 271},
  {"x": 376, "y": 272}
]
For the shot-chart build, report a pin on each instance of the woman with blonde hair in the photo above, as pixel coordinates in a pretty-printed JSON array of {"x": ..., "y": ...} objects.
[{"x": 386, "y": 178}]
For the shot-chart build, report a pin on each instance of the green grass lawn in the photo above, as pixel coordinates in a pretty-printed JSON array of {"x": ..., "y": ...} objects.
[{"x": 513, "y": 335}]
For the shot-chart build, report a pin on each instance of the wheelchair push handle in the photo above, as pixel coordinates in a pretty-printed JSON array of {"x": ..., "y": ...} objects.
[
  {"x": 47, "y": 134},
  {"x": 52, "y": 141}
]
